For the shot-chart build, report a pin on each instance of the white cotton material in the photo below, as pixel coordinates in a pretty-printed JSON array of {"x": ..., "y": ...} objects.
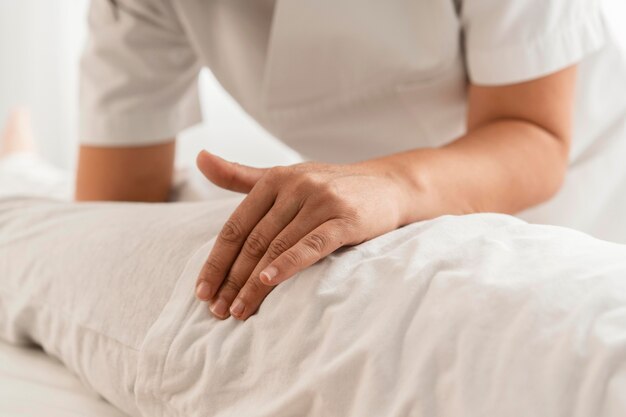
[
  {"x": 26, "y": 174},
  {"x": 480, "y": 315},
  {"x": 508, "y": 42},
  {"x": 33, "y": 384}
]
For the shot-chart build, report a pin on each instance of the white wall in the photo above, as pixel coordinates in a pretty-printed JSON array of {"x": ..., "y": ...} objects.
[{"x": 40, "y": 43}]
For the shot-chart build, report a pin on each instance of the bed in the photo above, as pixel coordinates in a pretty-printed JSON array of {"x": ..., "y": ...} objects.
[{"x": 32, "y": 384}]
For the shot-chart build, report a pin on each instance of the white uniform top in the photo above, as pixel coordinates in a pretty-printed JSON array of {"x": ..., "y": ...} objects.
[{"x": 347, "y": 80}]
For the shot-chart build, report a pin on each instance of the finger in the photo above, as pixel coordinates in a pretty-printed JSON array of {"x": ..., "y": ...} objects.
[
  {"x": 316, "y": 245},
  {"x": 254, "y": 290},
  {"x": 230, "y": 240},
  {"x": 229, "y": 175},
  {"x": 253, "y": 249}
]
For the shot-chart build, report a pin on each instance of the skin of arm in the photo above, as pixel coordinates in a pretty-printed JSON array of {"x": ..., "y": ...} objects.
[
  {"x": 513, "y": 156},
  {"x": 141, "y": 174}
]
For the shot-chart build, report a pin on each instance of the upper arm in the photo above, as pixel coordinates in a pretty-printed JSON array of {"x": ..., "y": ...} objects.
[
  {"x": 521, "y": 59},
  {"x": 138, "y": 91},
  {"x": 125, "y": 174},
  {"x": 139, "y": 74},
  {"x": 546, "y": 103}
]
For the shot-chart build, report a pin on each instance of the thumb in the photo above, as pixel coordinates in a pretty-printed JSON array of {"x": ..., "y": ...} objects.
[{"x": 229, "y": 175}]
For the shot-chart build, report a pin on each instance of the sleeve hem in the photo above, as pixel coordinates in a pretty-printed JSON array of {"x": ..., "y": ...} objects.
[
  {"x": 138, "y": 129},
  {"x": 541, "y": 57}
]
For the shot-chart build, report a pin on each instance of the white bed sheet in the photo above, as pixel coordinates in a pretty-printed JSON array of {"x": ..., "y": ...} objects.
[
  {"x": 33, "y": 384},
  {"x": 533, "y": 324}
]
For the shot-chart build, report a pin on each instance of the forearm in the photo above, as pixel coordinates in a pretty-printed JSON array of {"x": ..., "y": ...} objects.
[
  {"x": 504, "y": 166},
  {"x": 125, "y": 174}
]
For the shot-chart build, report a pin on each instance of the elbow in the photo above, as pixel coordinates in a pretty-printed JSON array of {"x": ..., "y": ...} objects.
[
  {"x": 554, "y": 184},
  {"x": 556, "y": 160}
]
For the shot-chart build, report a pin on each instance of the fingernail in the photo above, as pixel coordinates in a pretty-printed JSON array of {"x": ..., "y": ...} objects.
[
  {"x": 220, "y": 308},
  {"x": 203, "y": 291},
  {"x": 237, "y": 308},
  {"x": 269, "y": 273}
]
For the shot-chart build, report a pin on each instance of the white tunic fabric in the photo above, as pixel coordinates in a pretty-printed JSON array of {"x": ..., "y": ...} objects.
[{"x": 347, "y": 80}]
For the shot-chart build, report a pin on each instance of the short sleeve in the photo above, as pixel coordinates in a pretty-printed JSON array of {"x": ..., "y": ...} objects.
[
  {"x": 511, "y": 41},
  {"x": 139, "y": 75}
]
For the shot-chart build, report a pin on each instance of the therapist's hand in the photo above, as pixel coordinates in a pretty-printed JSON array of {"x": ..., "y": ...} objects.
[{"x": 291, "y": 218}]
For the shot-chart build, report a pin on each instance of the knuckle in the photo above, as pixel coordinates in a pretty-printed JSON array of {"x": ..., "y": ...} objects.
[
  {"x": 292, "y": 258},
  {"x": 280, "y": 170},
  {"x": 332, "y": 195},
  {"x": 312, "y": 180},
  {"x": 308, "y": 166},
  {"x": 307, "y": 183},
  {"x": 232, "y": 231},
  {"x": 255, "y": 287},
  {"x": 231, "y": 285},
  {"x": 277, "y": 248},
  {"x": 211, "y": 267},
  {"x": 255, "y": 245},
  {"x": 274, "y": 174},
  {"x": 316, "y": 242}
]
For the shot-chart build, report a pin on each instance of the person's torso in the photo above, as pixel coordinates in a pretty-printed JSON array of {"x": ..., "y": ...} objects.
[{"x": 338, "y": 82}]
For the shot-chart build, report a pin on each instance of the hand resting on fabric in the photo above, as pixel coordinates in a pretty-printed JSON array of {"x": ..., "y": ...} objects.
[{"x": 291, "y": 218}]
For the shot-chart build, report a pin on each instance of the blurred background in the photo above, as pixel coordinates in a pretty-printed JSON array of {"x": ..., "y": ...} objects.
[{"x": 40, "y": 45}]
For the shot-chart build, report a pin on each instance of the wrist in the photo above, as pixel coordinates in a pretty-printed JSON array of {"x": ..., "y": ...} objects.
[{"x": 409, "y": 182}]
